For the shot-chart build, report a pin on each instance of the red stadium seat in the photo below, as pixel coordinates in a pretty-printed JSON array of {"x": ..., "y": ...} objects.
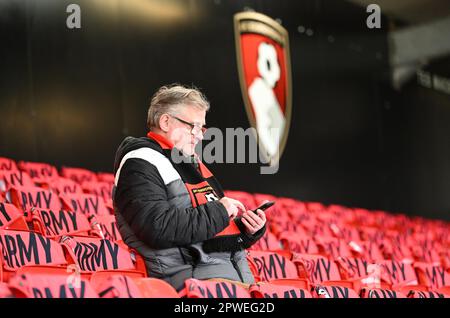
[
  {"x": 86, "y": 204},
  {"x": 268, "y": 242},
  {"x": 14, "y": 178},
  {"x": 425, "y": 252},
  {"x": 381, "y": 293},
  {"x": 108, "y": 227},
  {"x": 299, "y": 243},
  {"x": 146, "y": 287},
  {"x": 426, "y": 294},
  {"x": 332, "y": 247},
  {"x": 78, "y": 175},
  {"x": 398, "y": 273},
  {"x": 316, "y": 268},
  {"x": 371, "y": 234},
  {"x": 51, "y": 286},
  {"x": 54, "y": 224},
  {"x": 5, "y": 291},
  {"x": 268, "y": 290},
  {"x": 267, "y": 266},
  {"x": 94, "y": 254},
  {"x": 65, "y": 186},
  {"x": 317, "y": 228},
  {"x": 26, "y": 198},
  {"x": 195, "y": 288},
  {"x": 11, "y": 218},
  {"x": 445, "y": 259},
  {"x": 422, "y": 291},
  {"x": 315, "y": 207},
  {"x": 321, "y": 291},
  {"x": 105, "y": 177},
  {"x": 101, "y": 189},
  {"x": 353, "y": 268},
  {"x": 432, "y": 275},
  {"x": 7, "y": 164},
  {"x": 155, "y": 288},
  {"x": 38, "y": 171},
  {"x": 279, "y": 226},
  {"x": 116, "y": 286},
  {"x": 444, "y": 290},
  {"x": 21, "y": 248},
  {"x": 396, "y": 250},
  {"x": 366, "y": 250}
]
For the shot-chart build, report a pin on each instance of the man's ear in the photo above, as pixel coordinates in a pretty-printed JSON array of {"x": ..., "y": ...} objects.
[{"x": 164, "y": 122}]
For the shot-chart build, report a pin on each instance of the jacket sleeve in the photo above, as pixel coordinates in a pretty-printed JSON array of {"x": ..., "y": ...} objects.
[{"x": 141, "y": 199}]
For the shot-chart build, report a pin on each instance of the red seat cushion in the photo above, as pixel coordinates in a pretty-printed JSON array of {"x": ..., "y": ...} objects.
[
  {"x": 108, "y": 226},
  {"x": 53, "y": 224},
  {"x": 367, "y": 250},
  {"x": 105, "y": 177},
  {"x": 270, "y": 265},
  {"x": 381, "y": 293},
  {"x": 9, "y": 214},
  {"x": 64, "y": 185},
  {"x": 101, "y": 189},
  {"x": 267, "y": 290},
  {"x": 84, "y": 203},
  {"x": 398, "y": 273},
  {"x": 432, "y": 275},
  {"x": 78, "y": 175},
  {"x": 14, "y": 178},
  {"x": 316, "y": 268},
  {"x": 155, "y": 288},
  {"x": 267, "y": 242},
  {"x": 426, "y": 294},
  {"x": 26, "y": 198},
  {"x": 94, "y": 254},
  {"x": 5, "y": 291},
  {"x": 22, "y": 248},
  {"x": 320, "y": 291},
  {"x": 38, "y": 171},
  {"x": 195, "y": 288},
  {"x": 396, "y": 251},
  {"x": 51, "y": 286},
  {"x": 7, "y": 164},
  {"x": 332, "y": 247},
  {"x": 299, "y": 243},
  {"x": 352, "y": 268},
  {"x": 116, "y": 286}
]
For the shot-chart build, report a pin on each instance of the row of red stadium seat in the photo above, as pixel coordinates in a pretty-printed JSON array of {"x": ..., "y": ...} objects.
[
  {"x": 41, "y": 172},
  {"x": 58, "y": 238}
]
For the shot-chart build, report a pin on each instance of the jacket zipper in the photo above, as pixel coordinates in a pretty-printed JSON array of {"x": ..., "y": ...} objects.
[{"x": 236, "y": 267}]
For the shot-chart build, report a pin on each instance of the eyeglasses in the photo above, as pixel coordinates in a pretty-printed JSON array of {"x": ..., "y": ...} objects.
[{"x": 195, "y": 129}]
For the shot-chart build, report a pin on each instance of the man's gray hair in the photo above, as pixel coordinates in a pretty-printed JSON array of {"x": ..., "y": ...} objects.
[{"x": 168, "y": 98}]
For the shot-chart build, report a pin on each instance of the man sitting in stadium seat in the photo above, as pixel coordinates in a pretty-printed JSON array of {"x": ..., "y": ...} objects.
[{"x": 175, "y": 213}]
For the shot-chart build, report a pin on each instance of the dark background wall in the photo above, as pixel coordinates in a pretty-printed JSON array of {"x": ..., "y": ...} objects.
[{"x": 68, "y": 97}]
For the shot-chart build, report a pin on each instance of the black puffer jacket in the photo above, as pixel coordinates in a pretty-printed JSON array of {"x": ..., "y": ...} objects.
[{"x": 155, "y": 216}]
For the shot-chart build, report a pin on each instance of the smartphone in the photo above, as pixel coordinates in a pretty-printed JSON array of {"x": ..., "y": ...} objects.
[{"x": 264, "y": 206}]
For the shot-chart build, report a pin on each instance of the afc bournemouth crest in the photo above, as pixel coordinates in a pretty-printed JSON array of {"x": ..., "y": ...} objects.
[{"x": 262, "y": 47}]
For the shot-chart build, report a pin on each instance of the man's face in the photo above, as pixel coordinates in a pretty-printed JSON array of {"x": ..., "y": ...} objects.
[{"x": 181, "y": 134}]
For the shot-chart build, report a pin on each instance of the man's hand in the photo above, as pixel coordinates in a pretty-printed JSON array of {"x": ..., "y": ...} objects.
[
  {"x": 233, "y": 206},
  {"x": 254, "y": 221}
]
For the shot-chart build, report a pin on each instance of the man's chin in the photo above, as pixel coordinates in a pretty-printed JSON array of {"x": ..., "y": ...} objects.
[{"x": 188, "y": 151}]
